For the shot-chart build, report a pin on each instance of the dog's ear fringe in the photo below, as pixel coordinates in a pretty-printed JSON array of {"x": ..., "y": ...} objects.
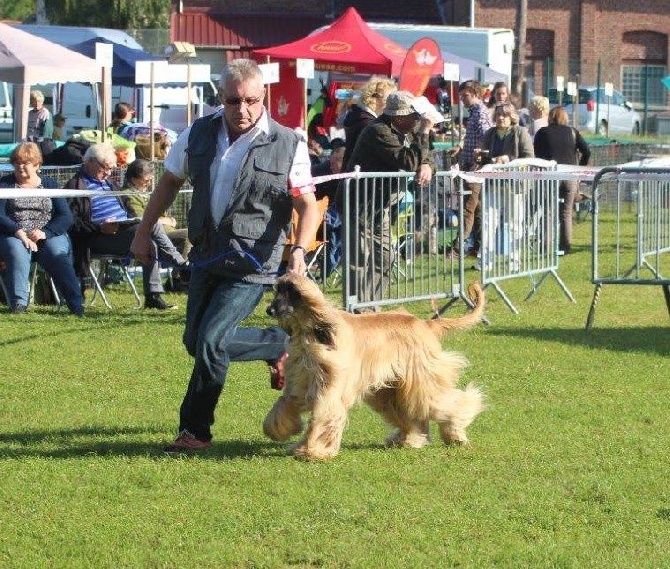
[{"x": 324, "y": 332}]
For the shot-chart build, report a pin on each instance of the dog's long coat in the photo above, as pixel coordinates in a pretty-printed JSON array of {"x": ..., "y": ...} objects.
[{"x": 392, "y": 360}]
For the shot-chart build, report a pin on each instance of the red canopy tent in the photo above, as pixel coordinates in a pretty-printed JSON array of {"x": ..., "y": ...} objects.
[{"x": 347, "y": 46}]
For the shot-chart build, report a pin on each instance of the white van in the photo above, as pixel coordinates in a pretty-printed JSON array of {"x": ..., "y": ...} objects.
[
  {"x": 79, "y": 104},
  {"x": 79, "y": 107},
  {"x": 490, "y": 47}
]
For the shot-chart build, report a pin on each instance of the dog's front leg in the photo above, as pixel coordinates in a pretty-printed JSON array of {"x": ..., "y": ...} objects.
[
  {"x": 283, "y": 421},
  {"x": 324, "y": 433}
]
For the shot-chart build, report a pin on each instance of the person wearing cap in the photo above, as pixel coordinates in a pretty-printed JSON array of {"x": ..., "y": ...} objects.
[{"x": 397, "y": 141}]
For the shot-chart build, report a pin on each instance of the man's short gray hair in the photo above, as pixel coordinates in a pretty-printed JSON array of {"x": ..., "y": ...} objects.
[
  {"x": 102, "y": 152},
  {"x": 240, "y": 70}
]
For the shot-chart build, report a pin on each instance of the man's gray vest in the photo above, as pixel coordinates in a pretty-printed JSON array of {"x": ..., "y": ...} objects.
[{"x": 249, "y": 241}]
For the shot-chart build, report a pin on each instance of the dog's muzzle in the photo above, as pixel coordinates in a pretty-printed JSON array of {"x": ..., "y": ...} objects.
[{"x": 279, "y": 308}]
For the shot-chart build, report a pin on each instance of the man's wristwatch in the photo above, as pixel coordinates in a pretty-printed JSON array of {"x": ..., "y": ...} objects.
[{"x": 296, "y": 247}]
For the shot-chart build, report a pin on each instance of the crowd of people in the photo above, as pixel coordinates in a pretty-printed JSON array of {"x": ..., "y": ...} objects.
[
  {"x": 249, "y": 174},
  {"x": 503, "y": 132}
]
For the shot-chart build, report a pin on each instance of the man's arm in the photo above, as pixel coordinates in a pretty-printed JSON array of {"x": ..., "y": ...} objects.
[
  {"x": 309, "y": 220},
  {"x": 161, "y": 199}
]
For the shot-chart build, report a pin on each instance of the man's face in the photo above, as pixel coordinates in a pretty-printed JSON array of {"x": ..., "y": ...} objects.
[
  {"x": 98, "y": 169},
  {"x": 243, "y": 103},
  {"x": 468, "y": 98},
  {"x": 407, "y": 123}
]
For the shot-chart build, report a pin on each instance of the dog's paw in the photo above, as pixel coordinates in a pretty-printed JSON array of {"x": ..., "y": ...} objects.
[
  {"x": 301, "y": 451},
  {"x": 454, "y": 438},
  {"x": 281, "y": 428},
  {"x": 407, "y": 440}
]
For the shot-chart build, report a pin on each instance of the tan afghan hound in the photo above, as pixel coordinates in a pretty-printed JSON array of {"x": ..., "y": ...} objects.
[{"x": 391, "y": 360}]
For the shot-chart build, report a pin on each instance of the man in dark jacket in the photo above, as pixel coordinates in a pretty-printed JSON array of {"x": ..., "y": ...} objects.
[{"x": 397, "y": 141}]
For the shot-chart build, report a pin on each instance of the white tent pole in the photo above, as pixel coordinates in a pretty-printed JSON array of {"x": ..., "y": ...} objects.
[{"x": 21, "y": 107}]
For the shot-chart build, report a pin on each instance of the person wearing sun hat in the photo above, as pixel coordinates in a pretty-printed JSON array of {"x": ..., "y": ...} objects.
[{"x": 395, "y": 141}]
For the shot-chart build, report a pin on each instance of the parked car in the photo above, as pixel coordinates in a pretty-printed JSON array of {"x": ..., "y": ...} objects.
[{"x": 615, "y": 114}]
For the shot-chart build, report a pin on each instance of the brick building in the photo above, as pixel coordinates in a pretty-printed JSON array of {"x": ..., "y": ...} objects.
[{"x": 625, "y": 42}]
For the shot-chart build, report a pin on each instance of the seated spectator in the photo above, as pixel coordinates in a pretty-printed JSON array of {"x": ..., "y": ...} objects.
[
  {"x": 315, "y": 151},
  {"x": 139, "y": 176},
  {"x": 35, "y": 229},
  {"x": 104, "y": 225},
  {"x": 332, "y": 165}
]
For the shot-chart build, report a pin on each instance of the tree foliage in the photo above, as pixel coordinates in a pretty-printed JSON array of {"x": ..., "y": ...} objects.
[
  {"x": 17, "y": 10},
  {"x": 119, "y": 14}
]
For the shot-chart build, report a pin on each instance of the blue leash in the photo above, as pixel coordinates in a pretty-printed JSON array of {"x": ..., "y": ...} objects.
[{"x": 202, "y": 264}]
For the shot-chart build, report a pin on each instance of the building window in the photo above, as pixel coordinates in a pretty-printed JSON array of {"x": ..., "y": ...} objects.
[{"x": 636, "y": 78}]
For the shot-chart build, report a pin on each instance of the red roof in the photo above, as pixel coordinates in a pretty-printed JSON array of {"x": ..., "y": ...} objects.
[
  {"x": 348, "y": 45},
  {"x": 204, "y": 29}
]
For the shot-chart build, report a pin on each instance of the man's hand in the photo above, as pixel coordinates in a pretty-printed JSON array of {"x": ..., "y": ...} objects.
[
  {"x": 424, "y": 175},
  {"x": 142, "y": 247},
  {"x": 296, "y": 261}
]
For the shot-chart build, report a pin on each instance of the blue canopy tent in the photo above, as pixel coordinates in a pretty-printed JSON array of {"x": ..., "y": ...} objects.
[{"x": 125, "y": 58}]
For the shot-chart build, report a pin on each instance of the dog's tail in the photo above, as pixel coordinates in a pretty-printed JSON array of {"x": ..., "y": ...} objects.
[{"x": 440, "y": 325}]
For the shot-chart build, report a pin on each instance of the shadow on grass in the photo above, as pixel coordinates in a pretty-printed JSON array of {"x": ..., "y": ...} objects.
[
  {"x": 653, "y": 340},
  {"x": 86, "y": 442},
  {"x": 113, "y": 322},
  {"x": 90, "y": 441}
]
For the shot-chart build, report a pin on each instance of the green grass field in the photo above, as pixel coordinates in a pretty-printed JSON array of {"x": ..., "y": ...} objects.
[{"x": 568, "y": 467}]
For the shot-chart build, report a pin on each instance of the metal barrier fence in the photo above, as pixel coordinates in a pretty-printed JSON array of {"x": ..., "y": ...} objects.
[
  {"x": 396, "y": 235},
  {"x": 179, "y": 209},
  {"x": 520, "y": 220},
  {"x": 631, "y": 237}
]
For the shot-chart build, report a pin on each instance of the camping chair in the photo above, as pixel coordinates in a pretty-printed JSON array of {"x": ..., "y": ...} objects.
[
  {"x": 315, "y": 257},
  {"x": 103, "y": 262},
  {"x": 402, "y": 236},
  {"x": 32, "y": 283}
]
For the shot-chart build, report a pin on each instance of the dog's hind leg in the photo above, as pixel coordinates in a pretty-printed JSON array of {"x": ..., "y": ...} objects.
[
  {"x": 454, "y": 410},
  {"x": 283, "y": 420},
  {"x": 409, "y": 432}
]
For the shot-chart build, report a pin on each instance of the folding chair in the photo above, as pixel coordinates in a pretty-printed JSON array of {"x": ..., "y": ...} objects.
[
  {"x": 402, "y": 235},
  {"x": 104, "y": 261},
  {"x": 315, "y": 257},
  {"x": 32, "y": 282}
]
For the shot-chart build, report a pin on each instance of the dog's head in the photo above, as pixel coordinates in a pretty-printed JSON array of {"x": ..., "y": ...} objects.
[{"x": 299, "y": 306}]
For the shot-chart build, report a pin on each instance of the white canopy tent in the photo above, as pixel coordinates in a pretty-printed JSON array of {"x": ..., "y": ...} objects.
[{"x": 27, "y": 60}]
